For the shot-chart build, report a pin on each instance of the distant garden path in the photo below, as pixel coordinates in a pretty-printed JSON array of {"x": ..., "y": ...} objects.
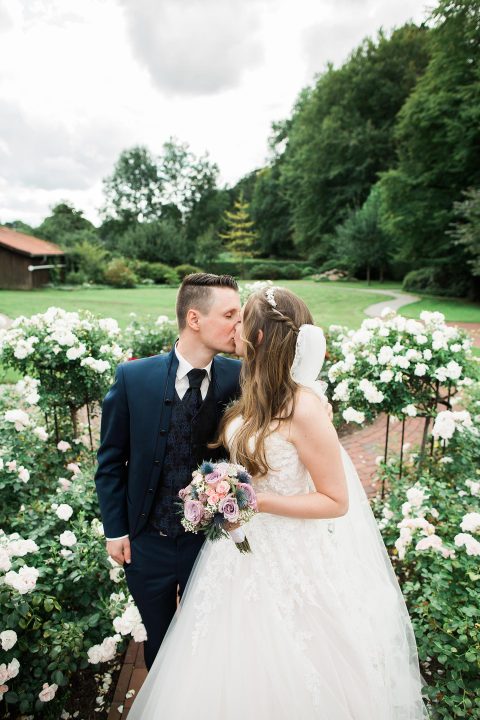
[{"x": 399, "y": 299}]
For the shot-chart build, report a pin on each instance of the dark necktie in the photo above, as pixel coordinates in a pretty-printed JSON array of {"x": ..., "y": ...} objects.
[{"x": 193, "y": 397}]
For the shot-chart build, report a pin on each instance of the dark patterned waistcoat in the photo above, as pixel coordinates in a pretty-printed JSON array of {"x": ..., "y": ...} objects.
[{"x": 185, "y": 450}]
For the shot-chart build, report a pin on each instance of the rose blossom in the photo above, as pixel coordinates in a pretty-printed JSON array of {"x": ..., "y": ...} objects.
[
  {"x": 3, "y": 690},
  {"x": 63, "y": 446},
  {"x": 48, "y": 692},
  {"x": 68, "y": 538},
  {"x": 213, "y": 498},
  {"x": 193, "y": 511},
  {"x": 471, "y": 522},
  {"x": 213, "y": 477},
  {"x": 229, "y": 507},
  {"x": 222, "y": 487},
  {"x": 64, "y": 511},
  {"x": 8, "y": 638}
]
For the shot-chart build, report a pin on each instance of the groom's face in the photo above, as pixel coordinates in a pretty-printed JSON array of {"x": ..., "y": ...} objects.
[{"x": 217, "y": 327}]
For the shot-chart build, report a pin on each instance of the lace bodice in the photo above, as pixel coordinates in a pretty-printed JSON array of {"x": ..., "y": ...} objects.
[{"x": 288, "y": 475}]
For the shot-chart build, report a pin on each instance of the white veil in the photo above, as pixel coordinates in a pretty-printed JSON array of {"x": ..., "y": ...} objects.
[{"x": 374, "y": 593}]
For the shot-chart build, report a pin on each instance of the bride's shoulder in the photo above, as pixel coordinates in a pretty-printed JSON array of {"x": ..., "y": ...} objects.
[{"x": 308, "y": 406}]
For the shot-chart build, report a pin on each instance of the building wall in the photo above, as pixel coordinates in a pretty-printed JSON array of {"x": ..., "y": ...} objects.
[{"x": 14, "y": 272}]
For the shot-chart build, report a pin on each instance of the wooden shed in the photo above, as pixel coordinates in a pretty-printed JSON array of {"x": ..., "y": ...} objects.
[{"x": 26, "y": 261}]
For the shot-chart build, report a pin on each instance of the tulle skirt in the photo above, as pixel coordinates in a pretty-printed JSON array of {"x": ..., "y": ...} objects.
[{"x": 311, "y": 624}]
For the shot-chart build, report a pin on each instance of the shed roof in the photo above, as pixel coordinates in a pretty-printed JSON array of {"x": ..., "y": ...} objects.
[{"x": 27, "y": 244}]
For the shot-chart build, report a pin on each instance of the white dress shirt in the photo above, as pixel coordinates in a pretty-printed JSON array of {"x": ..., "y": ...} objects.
[{"x": 181, "y": 386}]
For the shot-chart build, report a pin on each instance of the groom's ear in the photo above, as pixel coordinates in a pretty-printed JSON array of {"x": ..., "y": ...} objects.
[{"x": 192, "y": 319}]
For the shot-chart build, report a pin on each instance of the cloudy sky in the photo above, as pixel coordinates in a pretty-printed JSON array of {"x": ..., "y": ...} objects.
[{"x": 81, "y": 80}]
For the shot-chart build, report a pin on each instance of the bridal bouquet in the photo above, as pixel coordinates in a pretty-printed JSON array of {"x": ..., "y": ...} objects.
[{"x": 219, "y": 494}]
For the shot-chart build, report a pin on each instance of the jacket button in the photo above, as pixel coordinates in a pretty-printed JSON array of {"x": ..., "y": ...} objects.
[
  {"x": 157, "y": 462},
  {"x": 163, "y": 432},
  {"x": 150, "y": 490},
  {"x": 168, "y": 401},
  {"x": 143, "y": 515}
]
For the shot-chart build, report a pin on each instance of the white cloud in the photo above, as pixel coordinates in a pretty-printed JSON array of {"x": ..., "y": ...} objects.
[{"x": 195, "y": 48}]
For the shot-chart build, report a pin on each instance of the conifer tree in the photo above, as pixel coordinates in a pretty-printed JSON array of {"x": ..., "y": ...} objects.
[{"x": 239, "y": 235}]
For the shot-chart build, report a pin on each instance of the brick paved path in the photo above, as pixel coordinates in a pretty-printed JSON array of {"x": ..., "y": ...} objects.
[{"x": 363, "y": 446}]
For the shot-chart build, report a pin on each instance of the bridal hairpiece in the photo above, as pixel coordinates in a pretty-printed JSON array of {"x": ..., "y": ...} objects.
[{"x": 270, "y": 295}]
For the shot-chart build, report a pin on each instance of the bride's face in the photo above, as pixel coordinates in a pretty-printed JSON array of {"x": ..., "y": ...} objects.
[
  {"x": 238, "y": 339},
  {"x": 239, "y": 345}
]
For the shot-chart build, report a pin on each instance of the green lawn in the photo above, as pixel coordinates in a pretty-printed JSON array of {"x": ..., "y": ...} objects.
[{"x": 341, "y": 303}]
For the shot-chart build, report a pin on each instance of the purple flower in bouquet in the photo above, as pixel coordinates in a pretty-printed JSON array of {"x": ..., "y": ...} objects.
[
  {"x": 213, "y": 477},
  {"x": 229, "y": 507},
  {"x": 184, "y": 492},
  {"x": 193, "y": 511},
  {"x": 249, "y": 492}
]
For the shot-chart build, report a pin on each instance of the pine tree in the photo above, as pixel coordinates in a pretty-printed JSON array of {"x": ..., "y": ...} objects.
[{"x": 239, "y": 235}]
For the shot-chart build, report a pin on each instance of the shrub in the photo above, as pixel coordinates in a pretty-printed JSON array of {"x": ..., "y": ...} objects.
[
  {"x": 291, "y": 272},
  {"x": 158, "y": 273},
  {"x": 429, "y": 520},
  {"x": 264, "y": 271},
  {"x": 334, "y": 265},
  {"x": 186, "y": 269},
  {"x": 307, "y": 271},
  {"x": 396, "y": 365},
  {"x": 437, "y": 280},
  {"x": 149, "y": 336},
  {"x": 119, "y": 274},
  {"x": 56, "y": 580},
  {"x": 76, "y": 277}
]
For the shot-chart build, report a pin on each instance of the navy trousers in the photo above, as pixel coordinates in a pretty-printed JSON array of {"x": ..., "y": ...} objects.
[{"x": 159, "y": 569}]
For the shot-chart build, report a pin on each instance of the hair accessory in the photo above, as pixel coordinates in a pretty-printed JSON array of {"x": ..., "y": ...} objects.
[{"x": 270, "y": 295}]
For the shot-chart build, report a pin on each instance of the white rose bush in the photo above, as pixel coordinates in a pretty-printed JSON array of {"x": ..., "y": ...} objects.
[
  {"x": 430, "y": 521},
  {"x": 149, "y": 336},
  {"x": 72, "y": 355},
  {"x": 397, "y": 365},
  {"x": 59, "y": 594}
]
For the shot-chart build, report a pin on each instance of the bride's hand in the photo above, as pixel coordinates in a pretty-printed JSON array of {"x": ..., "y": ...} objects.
[{"x": 260, "y": 501}]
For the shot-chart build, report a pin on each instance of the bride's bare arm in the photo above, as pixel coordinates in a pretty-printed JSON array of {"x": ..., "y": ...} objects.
[{"x": 317, "y": 445}]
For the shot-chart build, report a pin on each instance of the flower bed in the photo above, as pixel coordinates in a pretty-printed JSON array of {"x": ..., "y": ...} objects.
[{"x": 430, "y": 522}]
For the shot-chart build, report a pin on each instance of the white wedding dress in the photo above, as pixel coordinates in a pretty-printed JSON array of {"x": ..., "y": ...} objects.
[{"x": 310, "y": 625}]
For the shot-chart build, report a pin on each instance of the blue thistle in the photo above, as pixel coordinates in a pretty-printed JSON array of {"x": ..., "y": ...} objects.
[
  {"x": 244, "y": 477},
  {"x": 241, "y": 499},
  {"x": 206, "y": 468}
]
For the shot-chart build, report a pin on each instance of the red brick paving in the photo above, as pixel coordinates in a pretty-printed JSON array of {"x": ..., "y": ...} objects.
[{"x": 364, "y": 446}]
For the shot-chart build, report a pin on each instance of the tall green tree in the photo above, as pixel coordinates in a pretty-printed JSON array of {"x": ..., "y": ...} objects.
[
  {"x": 438, "y": 137},
  {"x": 341, "y": 134},
  {"x": 66, "y": 227},
  {"x": 133, "y": 192},
  {"x": 271, "y": 214},
  {"x": 361, "y": 239},
  {"x": 239, "y": 235},
  {"x": 185, "y": 177},
  {"x": 466, "y": 229}
]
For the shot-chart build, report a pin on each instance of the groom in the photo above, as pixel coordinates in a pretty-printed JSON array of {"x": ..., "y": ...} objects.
[{"x": 157, "y": 420}]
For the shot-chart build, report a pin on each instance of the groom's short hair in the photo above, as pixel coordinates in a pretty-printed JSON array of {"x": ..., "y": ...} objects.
[{"x": 196, "y": 292}]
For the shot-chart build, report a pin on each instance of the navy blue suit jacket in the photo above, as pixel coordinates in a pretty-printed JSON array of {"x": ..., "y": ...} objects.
[{"x": 136, "y": 415}]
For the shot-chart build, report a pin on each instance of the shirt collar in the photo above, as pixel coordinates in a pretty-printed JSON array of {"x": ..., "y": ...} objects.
[{"x": 184, "y": 366}]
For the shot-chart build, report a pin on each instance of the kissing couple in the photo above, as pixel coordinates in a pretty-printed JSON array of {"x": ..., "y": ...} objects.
[{"x": 312, "y": 623}]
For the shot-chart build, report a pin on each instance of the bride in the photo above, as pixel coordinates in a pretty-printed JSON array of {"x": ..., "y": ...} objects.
[{"x": 312, "y": 624}]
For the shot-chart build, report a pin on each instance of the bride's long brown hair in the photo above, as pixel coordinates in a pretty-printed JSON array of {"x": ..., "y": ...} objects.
[{"x": 268, "y": 390}]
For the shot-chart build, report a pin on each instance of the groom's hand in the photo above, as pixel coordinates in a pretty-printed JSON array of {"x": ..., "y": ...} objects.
[{"x": 119, "y": 550}]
